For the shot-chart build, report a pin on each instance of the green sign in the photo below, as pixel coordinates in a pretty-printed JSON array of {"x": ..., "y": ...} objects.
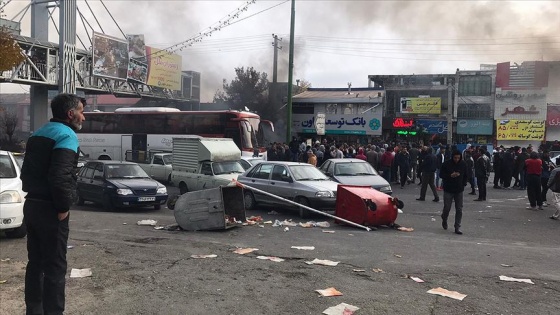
[{"x": 406, "y": 132}]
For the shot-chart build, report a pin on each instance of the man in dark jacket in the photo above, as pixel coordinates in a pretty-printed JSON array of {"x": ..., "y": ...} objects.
[
  {"x": 454, "y": 175},
  {"x": 482, "y": 172},
  {"x": 49, "y": 178},
  {"x": 428, "y": 170}
]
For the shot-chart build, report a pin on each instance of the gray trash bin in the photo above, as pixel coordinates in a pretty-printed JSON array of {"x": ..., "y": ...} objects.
[{"x": 210, "y": 209}]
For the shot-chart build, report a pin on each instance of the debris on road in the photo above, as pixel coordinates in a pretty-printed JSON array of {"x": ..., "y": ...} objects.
[
  {"x": 507, "y": 266},
  {"x": 80, "y": 273},
  {"x": 506, "y": 278},
  {"x": 433, "y": 219},
  {"x": 323, "y": 262},
  {"x": 124, "y": 223},
  {"x": 170, "y": 227},
  {"x": 304, "y": 247},
  {"x": 358, "y": 270},
  {"x": 267, "y": 222},
  {"x": 271, "y": 258},
  {"x": 147, "y": 222},
  {"x": 5, "y": 259},
  {"x": 400, "y": 211},
  {"x": 417, "y": 279},
  {"x": 252, "y": 220},
  {"x": 70, "y": 246},
  {"x": 328, "y": 231},
  {"x": 243, "y": 251},
  {"x": 378, "y": 270},
  {"x": 405, "y": 229},
  {"x": 323, "y": 224},
  {"x": 286, "y": 229},
  {"x": 204, "y": 256},
  {"x": 3, "y": 281},
  {"x": 329, "y": 292},
  {"x": 341, "y": 309},
  {"x": 450, "y": 294},
  {"x": 398, "y": 256}
]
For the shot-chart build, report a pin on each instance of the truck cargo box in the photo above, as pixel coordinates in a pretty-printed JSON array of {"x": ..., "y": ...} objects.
[{"x": 189, "y": 151}]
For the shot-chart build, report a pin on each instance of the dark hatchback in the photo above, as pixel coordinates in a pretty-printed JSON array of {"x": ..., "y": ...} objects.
[{"x": 118, "y": 185}]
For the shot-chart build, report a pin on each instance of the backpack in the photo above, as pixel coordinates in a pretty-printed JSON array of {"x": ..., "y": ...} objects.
[{"x": 555, "y": 187}]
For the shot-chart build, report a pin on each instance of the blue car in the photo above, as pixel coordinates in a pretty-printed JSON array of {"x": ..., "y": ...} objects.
[{"x": 118, "y": 185}]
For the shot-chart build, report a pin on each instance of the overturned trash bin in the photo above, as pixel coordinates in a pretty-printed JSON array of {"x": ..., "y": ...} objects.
[
  {"x": 365, "y": 205},
  {"x": 210, "y": 209}
]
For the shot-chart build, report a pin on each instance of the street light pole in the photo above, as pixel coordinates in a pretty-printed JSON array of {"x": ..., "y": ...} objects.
[{"x": 290, "y": 74}]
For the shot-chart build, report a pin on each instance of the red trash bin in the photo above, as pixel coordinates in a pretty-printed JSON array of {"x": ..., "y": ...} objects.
[{"x": 366, "y": 206}]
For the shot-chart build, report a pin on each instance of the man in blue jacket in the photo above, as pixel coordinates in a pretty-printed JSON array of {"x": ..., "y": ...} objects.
[
  {"x": 454, "y": 175},
  {"x": 49, "y": 178}
]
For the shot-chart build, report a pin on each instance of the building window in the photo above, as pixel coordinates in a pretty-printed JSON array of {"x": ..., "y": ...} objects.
[
  {"x": 474, "y": 111},
  {"x": 303, "y": 109},
  {"x": 475, "y": 85}
]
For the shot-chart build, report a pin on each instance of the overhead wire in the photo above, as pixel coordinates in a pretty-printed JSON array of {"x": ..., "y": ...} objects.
[
  {"x": 95, "y": 17},
  {"x": 113, "y": 18}
]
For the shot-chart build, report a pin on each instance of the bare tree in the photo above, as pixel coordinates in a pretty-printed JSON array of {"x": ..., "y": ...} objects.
[{"x": 8, "y": 123}]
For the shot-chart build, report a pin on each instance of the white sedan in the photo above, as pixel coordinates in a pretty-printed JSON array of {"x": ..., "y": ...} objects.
[{"x": 12, "y": 197}]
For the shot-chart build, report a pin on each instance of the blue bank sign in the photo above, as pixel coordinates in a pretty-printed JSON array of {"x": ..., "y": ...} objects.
[{"x": 475, "y": 127}]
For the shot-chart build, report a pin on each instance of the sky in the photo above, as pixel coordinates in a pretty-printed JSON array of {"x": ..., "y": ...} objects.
[{"x": 336, "y": 42}]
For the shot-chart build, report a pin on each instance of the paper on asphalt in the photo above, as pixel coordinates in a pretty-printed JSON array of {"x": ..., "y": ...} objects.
[
  {"x": 323, "y": 262},
  {"x": 329, "y": 292},
  {"x": 304, "y": 247},
  {"x": 204, "y": 256},
  {"x": 243, "y": 251},
  {"x": 506, "y": 278},
  {"x": 80, "y": 273},
  {"x": 417, "y": 279},
  {"x": 271, "y": 258},
  {"x": 328, "y": 231},
  {"x": 147, "y": 222},
  {"x": 341, "y": 309},
  {"x": 450, "y": 294}
]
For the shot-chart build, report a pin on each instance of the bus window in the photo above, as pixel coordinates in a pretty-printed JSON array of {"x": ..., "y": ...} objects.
[{"x": 248, "y": 136}]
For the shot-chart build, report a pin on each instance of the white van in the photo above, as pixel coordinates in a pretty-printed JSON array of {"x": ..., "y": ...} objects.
[{"x": 12, "y": 197}]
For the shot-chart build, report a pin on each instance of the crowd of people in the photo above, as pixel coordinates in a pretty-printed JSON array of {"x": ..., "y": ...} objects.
[{"x": 443, "y": 168}]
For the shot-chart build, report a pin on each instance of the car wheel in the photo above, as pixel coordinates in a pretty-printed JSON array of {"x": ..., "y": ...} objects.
[
  {"x": 249, "y": 200},
  {"x": 107, "y": 204},
  {"x": 157, "y": 207},
  {"x": 183, "y": 188},
  {"x": 19, "y": 232},
  {"x": 303, "y": 213}
]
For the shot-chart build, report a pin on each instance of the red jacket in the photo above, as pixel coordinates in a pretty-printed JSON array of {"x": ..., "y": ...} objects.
[{"x": 533, "y": 166}]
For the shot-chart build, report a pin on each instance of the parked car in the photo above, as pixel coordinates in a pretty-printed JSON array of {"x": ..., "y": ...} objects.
[
  {"x": 355, "y": 172},
  {"x": 247, "y": 162},
  {"x": 118, "y": 184},
  {"x": 12, "y": 197},
  {"x": 300, "y": 182}
]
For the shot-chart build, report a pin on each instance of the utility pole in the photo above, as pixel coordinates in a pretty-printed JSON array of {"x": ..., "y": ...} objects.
[
  {"x": 67, "y": 47},
  {"x": 291, "y": 73},
  {"x": 450, "y": 112},
  {"x": 275, "y": 64}
]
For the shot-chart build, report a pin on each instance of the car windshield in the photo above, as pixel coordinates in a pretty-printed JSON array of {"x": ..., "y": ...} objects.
[
  {"x": 168, "y": 159},
  {"x": 124, "y": 171},
  {"x": 353, "y": 169},
  {"x": 307, "y": 172},
  {"x": 7, "y": 168},
  {"x": 227, "y": 167}
]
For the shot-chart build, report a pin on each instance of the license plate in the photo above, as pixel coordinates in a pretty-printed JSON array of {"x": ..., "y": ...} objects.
[{"x": 146, "y": 198}]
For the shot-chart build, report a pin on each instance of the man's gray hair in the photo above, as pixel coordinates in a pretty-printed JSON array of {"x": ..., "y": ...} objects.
[{"x": 62, "y": 103}]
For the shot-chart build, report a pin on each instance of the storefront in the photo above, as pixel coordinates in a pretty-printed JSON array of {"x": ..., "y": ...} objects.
[
  {"x": 478, "y": 131},
  {"x": 553, "y": 123}
]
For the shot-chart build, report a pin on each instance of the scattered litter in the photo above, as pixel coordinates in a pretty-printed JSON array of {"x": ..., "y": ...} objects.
[
  {"x": 506, "y": 278},
  {"x": 341, "y": 309},
  {"x": 398, "y": 256},
  {"x": 252, "y": 220},
  {"x": 288, "y": 223},
  {"x": 433, "y": 219},
  {"x": 417, "y": 279},
  {"x": 405, "y": 229},
  {"x": 87, "y": 245},
  {"x": 124, "y": 223},
  {"x": 323, "y": 262},
  {"x": 3, "y": 281},
  {"x": 277, "y": 223},
  {"x": 306, "y": 225},
  {"x": 328, "y": 231},
  {"x": 400, "y": 211},
  {"x": 80, "y": 273},
  {"x": 309, "y": 224},
  {"x": 70, "y": 246},
  {"x": 304, "y": 247},
  {"x": 329, "y": 292},
  {"x": 261, "y": 225},
  {"x": 170, "y": 227},
  {"x": 359, "y": 270},
  {"x": 351, "y": 234},
  {"x": 243, "y": 251},
  {"x": 273, "y": 212},
  {"x": 377, "y": 270},
  {"x": 5, "y": 259},
  {"x": 271, "y": 258},
  {"x": 267, "y": 222},
  {"x": 286, "y": 229},
  {"x": 147, "y": 222},
  {"x": 204, "y": 256},
  {"x": 323, "y": 224},
  {"x": 488, "y": 206},
  {"x": 504, "y": 265},
  {"x": 450, "y": 294},
  {"x": 161, "y": 227}
]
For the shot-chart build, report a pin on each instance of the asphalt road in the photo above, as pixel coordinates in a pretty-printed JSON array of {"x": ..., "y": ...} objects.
[{"x": 140, "y": 270}]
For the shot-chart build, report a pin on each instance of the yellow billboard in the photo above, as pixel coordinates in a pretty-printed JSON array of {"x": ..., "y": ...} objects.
[
  {"x": 520, "y": 129},
  {"x": 164, "y": 69},
  {"x": 421, "y": 105}
]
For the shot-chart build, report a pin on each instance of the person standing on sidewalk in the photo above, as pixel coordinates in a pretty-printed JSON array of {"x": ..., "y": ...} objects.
[
  {"x": 454, "y": 175},
  {"x": 482, "y": 173},
  {"x": 414, "y": 152},
  {"x": 49, "y": 178},
  {"x": 533, "y": 165},
  {"x": 554, "y": 186},
  {"x": 386, "y": 164},
  {"x": 428, "y": 170},
  {"x": 547, "y": 167},
  {"x": 403, "y": 162}
]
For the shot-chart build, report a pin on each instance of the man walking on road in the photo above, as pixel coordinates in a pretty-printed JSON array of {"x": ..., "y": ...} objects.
[
  {"x": 482, "y": 172},
  {"x": 428, "y": 170},
  {"x": 49, "y": 178},
  {"x": 454, "y": 175}
]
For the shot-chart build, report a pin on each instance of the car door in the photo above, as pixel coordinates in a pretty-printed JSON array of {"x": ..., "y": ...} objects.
[
  {"x": 281, "y": 182},
  {"x": 324, "y": 168},
  {"x": 261, "y": 180},
  {"x": 205, "y": 177},
  {"x": 85, "y": 179},
  {"x": 98, "y": 182},
  {"x": 157, "y": 169}
]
